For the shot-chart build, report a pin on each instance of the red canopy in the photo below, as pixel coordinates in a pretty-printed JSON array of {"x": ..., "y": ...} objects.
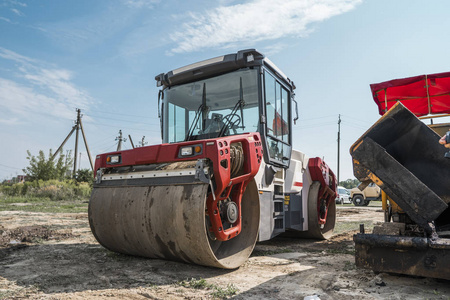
[{"x": 422, "y": 95}]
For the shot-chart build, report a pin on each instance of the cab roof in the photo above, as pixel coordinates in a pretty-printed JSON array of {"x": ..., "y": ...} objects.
[{"x": 219, "y": 65}]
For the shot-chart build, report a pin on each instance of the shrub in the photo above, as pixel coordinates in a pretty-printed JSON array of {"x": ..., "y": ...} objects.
[
  {"x": 83, "y": 190},
  {"x": 6, "y": 190},
  {"x": 53, "y": 189}
]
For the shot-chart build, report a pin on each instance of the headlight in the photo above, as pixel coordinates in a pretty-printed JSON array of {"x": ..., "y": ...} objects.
[
  {"x": 113, "y": 159},
  {"x": 191, "y": 150},
  {"x": 186, "y": 151}
]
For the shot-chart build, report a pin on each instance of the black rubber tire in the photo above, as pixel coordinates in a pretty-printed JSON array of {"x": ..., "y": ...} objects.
[{"x": 358, "y": 200}]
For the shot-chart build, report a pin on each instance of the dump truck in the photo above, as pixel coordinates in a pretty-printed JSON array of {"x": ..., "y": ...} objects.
[
  {"x": 402, "y": 155},
  {"x": 225, "y": 175}
]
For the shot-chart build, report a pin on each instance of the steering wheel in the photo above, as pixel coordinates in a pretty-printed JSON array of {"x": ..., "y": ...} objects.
[{"x": 232, "y": 124}]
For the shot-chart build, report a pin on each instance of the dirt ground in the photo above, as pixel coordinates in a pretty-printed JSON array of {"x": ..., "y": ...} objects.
[{"x": 54, "y": 256}]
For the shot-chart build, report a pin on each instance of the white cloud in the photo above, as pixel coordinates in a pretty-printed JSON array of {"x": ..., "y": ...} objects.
[
  {"x": 10, "y": 121},
  {"x": 5, "y": 19},
  {"x": 17, "y": 12},
  {"x": 140, "y": 3},
  {"x": 269, "y": 50},
  {"x": 38, "y": 88},
  {"x": 11, "y": 55},
  {"x": 13, "y": 2},
  {"x": 91, "y": 31},
  {"x": 255, "y": 21}
]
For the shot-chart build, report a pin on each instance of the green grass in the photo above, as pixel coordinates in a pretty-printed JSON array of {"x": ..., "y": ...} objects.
[
  {"x": 216, "y": 291},
  {"x": 342, "y": 227},
  {"x": 222, "y": 293},
  {"x": 35, "y": 204},
  {"x": 194, "y": 283}
]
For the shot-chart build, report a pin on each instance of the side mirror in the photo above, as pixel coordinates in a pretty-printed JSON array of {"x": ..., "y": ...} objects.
[{"x": 296, "y": 110}]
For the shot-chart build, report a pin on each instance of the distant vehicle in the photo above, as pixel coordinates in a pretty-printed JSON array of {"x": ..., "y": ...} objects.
[
  {"x": 363, "y": 198},
  {"x": 343, "y": 195}
]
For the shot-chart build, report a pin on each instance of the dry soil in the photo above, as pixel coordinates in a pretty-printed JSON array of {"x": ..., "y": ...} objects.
[{"x": 54, "y": 256}]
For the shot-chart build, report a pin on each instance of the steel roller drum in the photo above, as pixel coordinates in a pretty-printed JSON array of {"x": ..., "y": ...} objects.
[{"x": 169, "y": 222}]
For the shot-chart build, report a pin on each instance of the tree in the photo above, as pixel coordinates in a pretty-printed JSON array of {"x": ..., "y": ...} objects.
[
  {"x": 84, "y": 175},
  {"x": 41, "y": 168},
  {"x": 349, "y": 183}
]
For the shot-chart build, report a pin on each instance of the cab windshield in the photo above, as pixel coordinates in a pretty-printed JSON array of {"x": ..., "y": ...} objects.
[{"x": 219, "y": 106}]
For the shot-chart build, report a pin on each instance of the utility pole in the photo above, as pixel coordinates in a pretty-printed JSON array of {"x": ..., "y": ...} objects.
[
  {"x": 142, "y": 143},
  {"x": 131, "y": 141},
  {"x": 85, "y": 143},
  {"x": 120, "y": 139},
  {"x": 338, "y": 146},
  {"x": 78, "y": 125}
]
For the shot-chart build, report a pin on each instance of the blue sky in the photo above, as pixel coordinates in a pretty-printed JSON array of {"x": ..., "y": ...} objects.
[{"x": 102, "y": 57}]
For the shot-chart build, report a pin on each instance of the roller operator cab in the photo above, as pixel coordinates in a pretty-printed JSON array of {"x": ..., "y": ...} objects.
[{"x": 225, "y": 175}]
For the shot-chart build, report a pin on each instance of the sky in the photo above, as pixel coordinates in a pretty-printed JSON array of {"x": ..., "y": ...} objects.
[{"x": 102, "y": 56}]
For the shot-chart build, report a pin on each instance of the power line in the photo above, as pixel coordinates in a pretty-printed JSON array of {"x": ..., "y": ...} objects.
[
  {"x": 76, "y": 128},
  {"x": 354, "y": 125},
  {"x": 7, "y": 171},
  {"x": 348, "y": 141},
  {"x": 119, "y": 114},
  {"x": 315, "y": 125},
  {"x": 110, "y": 126},
  {"x": 99, "y": 142},
  {"x": 107, "y": 148},
  {"x": 317, "y": 118},
  {"x": 122, "y": 120},
  {"x": 356, "y": 119},
  {"x": 10, "y": 167}
]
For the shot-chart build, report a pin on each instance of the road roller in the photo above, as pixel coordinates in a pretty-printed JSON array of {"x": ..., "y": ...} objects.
[{"x": 225, "y": 175}]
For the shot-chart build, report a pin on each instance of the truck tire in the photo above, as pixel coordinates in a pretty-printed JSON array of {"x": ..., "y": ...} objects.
[{"x": 358, "y": 200}]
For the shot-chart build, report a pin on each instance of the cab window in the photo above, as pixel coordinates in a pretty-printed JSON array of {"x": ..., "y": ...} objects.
[{"x": 277, "y": 119}]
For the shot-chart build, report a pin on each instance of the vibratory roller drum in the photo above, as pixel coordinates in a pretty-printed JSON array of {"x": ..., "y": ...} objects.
[{"x": 203, "y": 211}]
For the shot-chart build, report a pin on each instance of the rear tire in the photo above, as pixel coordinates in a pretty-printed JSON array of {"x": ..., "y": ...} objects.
[
  {"x": 314, "y": 229},
  {"x": 358, "y": 200}
]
